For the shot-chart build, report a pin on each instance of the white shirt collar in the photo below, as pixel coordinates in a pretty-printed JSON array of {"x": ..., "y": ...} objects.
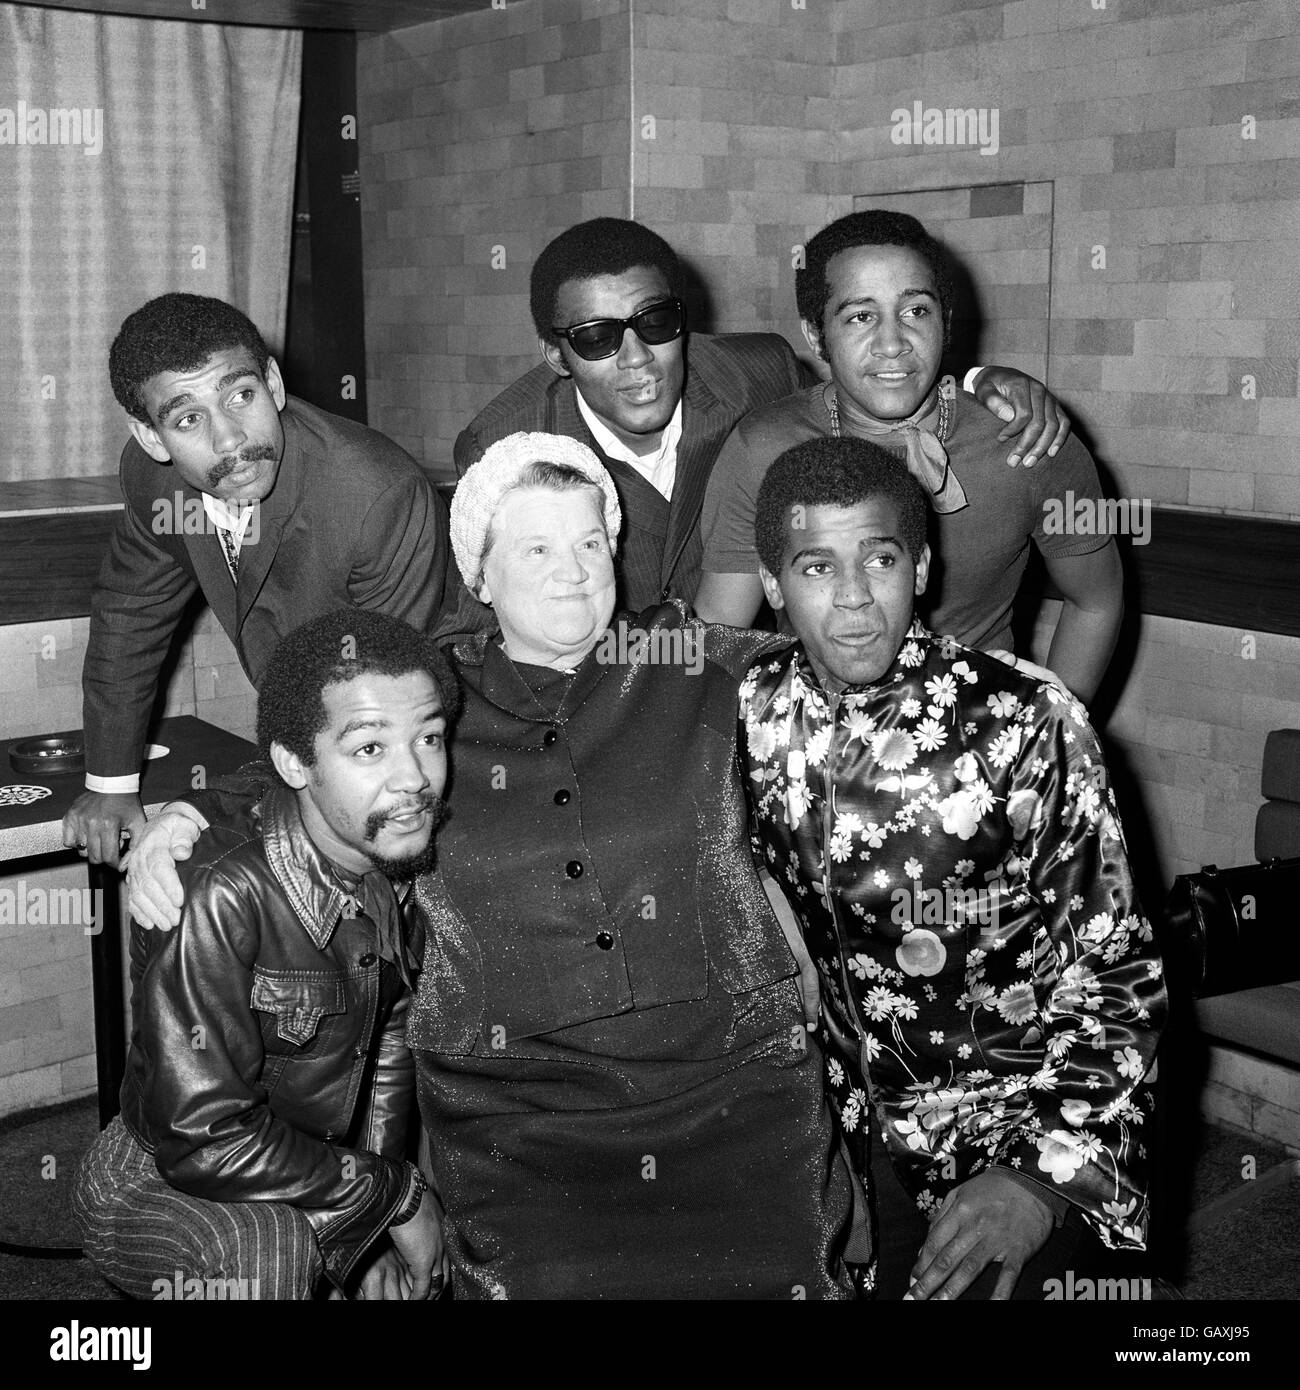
[
  {"x": 660, "y": 468},
  {"x": 228, "y": 516}
]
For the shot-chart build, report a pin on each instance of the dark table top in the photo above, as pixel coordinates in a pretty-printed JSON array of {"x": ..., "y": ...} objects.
[{"x": 197, "y": 752}]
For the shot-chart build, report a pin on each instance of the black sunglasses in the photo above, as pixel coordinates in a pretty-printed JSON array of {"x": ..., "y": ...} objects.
[{"x": 655, "y": 324}]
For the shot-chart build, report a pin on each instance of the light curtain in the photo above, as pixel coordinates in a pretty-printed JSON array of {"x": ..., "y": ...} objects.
[{"x": 136, "y": 156}]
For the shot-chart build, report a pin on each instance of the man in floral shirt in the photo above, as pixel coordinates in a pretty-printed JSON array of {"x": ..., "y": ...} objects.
[{"x": 944, "y": 830}]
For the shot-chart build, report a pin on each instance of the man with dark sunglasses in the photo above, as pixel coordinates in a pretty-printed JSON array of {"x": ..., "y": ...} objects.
[
  {"x": 605, "y": 299},
  {"x": 656, "y": 324}
]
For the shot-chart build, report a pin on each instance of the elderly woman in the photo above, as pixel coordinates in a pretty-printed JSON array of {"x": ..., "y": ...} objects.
[{"x": 618, "y": 1094}]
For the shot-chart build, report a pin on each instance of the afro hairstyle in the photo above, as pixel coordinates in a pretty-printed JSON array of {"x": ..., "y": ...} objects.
[
  {"x": 874, "y": 227},
  {"x": 331, "y": 650},
  {"x": 603, "y": 246},
  {"x": 176, "y": 333},
  {"x": 835, "y": 471}
]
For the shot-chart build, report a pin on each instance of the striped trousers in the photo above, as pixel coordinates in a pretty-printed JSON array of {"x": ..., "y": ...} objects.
[{"x": 153, "y": 1241}]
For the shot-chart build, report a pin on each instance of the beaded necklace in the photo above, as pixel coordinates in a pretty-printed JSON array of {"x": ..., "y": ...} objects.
[{"x": 833, "y": 405}]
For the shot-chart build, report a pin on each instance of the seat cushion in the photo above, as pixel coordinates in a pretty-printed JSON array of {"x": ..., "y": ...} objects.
[
  {"x": 1280, "y": 779},
  {"x": 1264, "y": 1020},
  {"x": 1277, "y": 830}
]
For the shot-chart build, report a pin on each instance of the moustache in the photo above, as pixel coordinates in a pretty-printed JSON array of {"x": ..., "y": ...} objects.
[
  {"x": 434, "y": 805},
  {"x": 224, "y": 467}
]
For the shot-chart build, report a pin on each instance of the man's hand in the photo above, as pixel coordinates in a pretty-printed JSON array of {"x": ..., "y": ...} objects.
[
  {"x": 1029, "y": 668},
  {"x": 96, "y": 822},
  {"x": 1032, "y": 413},
  {"x": 385, "y": 1278},
  {"x": 809, "y": 985},
  {"x": 989, "y": 1219},
  {"x": 154, "y": 893},
  {"x": 419, "y": 1243}
]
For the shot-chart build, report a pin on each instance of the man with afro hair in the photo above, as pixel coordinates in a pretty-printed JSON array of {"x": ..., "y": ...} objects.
[
  {"x": 619, "y": 374},
  {"x": 943, "y": 828},
  {"x": 875, "y": 298},
  {"x": 260, "y": 1151}
]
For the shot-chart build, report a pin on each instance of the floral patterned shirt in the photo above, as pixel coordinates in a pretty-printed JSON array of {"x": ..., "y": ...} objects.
[{"x": 949, "y": 842}]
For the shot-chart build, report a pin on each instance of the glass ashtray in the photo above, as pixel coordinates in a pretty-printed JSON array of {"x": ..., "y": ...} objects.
[{"x": 49, "y": 756}]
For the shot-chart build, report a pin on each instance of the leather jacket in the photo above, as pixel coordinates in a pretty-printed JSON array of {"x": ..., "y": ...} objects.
[{"x": 267, "y": 1057}]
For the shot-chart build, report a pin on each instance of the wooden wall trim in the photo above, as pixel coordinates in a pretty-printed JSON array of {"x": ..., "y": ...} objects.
[
  {"x": 1230, "y": 571},
  {"x": 48, "y": 564}
]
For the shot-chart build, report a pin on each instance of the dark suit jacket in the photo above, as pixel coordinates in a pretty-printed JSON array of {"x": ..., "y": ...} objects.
[
  {"x": 659, "y": 549},
  {"x": 352, "y": 519}
]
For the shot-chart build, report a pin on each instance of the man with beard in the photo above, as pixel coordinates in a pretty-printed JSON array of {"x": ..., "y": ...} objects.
[
  {"x": 260, "y": 1147},
  {"x": 275, "y": 510}
]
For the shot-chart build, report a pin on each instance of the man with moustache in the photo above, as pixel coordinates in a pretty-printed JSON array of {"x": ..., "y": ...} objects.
[
  {"x": 275, "y": 510},
  {"x": 260, "y": 1148},
  {"x": 875, "y": 298},
  {"x": 619, "y": 375},
  {"x": 944, "y": 830}
]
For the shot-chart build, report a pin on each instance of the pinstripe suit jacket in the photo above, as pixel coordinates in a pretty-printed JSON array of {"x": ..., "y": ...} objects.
[
  {"x": 659, "y": 549},
  {"x": 352, "y": 519}
]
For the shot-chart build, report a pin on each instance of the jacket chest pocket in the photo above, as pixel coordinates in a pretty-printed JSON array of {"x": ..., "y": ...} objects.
[{"x": 296, "y": 1002}]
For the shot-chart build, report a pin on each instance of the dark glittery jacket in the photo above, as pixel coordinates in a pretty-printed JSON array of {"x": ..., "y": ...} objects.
[
  {"x": 948, "y": 839},
  {"x": 606, "y": 986},
  {"x": 623, "y": 914}
]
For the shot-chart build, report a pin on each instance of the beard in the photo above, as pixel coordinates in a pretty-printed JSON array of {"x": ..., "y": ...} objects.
[{"x": 409, "y": 866}]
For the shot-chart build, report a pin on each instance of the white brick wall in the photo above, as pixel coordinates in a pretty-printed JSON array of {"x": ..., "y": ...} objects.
[
  {"x": 1255, "y": 1095},
  {"x": 46, "y": 1019}
]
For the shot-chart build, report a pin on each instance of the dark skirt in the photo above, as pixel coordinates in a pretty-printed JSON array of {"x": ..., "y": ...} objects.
[{"x": 681, "y": 1152}]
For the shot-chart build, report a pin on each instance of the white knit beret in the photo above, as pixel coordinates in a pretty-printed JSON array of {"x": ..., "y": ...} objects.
[{"x": 479, "y": 492}]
